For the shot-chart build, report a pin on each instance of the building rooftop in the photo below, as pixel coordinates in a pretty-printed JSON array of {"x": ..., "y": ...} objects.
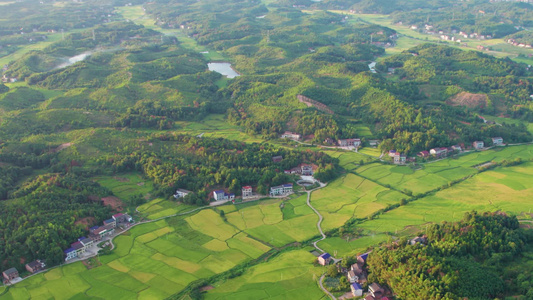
[
  {"x": 69, "y": 250},
  {"x": 76, "y": 245},
  {"x": 11, "y": 271},
  {"x": 356, "y": 286},
  {"x": 33, "y": 264},
  {"x": 109, "y": 221},
  {"x": 118, "y": 215},
  {"x": 247, "y": 187},
  {"x": 86, "y": 241},
  {"x": 325, "y": 255}
]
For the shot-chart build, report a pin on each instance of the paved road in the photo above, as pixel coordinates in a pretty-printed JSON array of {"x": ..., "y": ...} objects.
[
  {"x": 320, "y": 218},
  {"x": 323, "y": 288}
]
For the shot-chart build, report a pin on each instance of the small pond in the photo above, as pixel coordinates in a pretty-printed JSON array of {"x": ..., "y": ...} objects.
[{"x": 223, "y": 68}]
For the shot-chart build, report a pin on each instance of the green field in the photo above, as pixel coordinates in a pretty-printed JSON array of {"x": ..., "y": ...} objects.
[
  {"x": 288, "y": 276},
  {"x": 151, "y": 261},
  {"x": 351, "y": 196},
  {"x": 137, "y": 15},
  {"x": 439, "y": 173},
  {"x": 349, "y": 160},
  {"x": 277, "y": 226},
  {"x": 502, "y": 189}
]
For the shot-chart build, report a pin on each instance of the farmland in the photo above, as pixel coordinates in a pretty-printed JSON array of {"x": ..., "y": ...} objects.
[
  {"x": 158, "y": 259},
  {"x": 151, "y": 261},
  {"x": 439, "y": 173},
  {"x": 288, "y": 276},
  {"x": 351, "y": 197}
]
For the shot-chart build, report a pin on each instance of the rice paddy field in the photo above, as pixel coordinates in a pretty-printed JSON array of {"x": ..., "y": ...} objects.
[
  {"x": 349, "y": 160},
  {"x": 439, "y": 173},
  {"x": 151, "y": 261},
  {"x": 351, "y": 196},
  {"x": 158, "y": 259},
  {"x": 290, "y": 275},
  {"x": 275, "y": 222},
  {"x": 502, "y": 189}
]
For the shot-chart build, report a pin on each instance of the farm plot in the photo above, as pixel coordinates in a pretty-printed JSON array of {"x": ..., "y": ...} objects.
[
  {"x": 278, "y": 226},
  {"x": 151, "y": 261},
  {"x": 349, "y": 159},
  {"x": 351, "y": 247},
  {"x": 502, "y": 189},
  {"x": 351, "y": 196},
  {"x": 439, "y": 173},
  {"x": 288, "y": 276}
]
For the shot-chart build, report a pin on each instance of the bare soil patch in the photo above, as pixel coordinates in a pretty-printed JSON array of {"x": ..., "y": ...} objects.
[
  {"x": 88, "y": 221},
  {"x": 206, "y": 288},
  {"x": 310, "y": 102},
  {"x": 114, "y": 202},
  {"x": 469, "y": 100},
  {"x": 62, "y": 146}
]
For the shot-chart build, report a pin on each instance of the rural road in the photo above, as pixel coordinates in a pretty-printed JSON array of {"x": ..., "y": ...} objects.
[
  {"x": 323, "y": 288},
  {"x": 320, "y": 218}
]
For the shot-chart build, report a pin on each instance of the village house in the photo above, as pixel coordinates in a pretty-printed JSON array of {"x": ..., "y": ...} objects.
[
  {"x": 439, "y": 152},
  {"x": 78, "y": 247},
  {"x": 357, "y": 289},
  {"x": 180, "y": 193},
  {"x": 497, "y": 141},
  {"x": 10, "y": 274},
  {"x": 418, "y": 240},
  {"x": 324, "y": 259},
  {"x": 122, "y": 218},
  {"x": 361, "y": 259},
  {"x": 246, "y": 192},
  {"x": 86, "y": 242},
  {"x": 399, "y": 159},
  {"x": 478, "y": 145},
  {"x": 280, "y": 190},
  {"x": 35, "y": 266},
  {"x": 111, "y": 222},
  {"x": 220, "y": 195},
  {"x": 457, "y": 148},
  {"x": 423, "y": 154},
  {"x": 70, "y": 253},
  {"x": 352, "y": 277},
  {"x": 392, "y": 153},
  {"x": 291, "y": 136},
  {"x": 307, "y": 170},
  {"x": 375, "y": 290},
  {"x": 277, "y": 159},
  {"x": 349, "y": 142},
  {"x": 329, "y": 141}
]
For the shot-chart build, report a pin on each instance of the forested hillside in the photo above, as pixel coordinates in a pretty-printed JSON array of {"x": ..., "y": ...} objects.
[
  {"x": 109, "y": 95},
  {"x": 463, "y": 259}
]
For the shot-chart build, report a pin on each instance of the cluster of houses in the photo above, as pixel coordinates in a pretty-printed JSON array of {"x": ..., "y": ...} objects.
[
  {"x": 357, "y": 277},
  {"x": 443, "y": 151},
  {"x": 7, "y": 79},
  {"x": 305, "y": 170},
  {"x": 453, "y": 35},
  {"x": 32, "y": 267},
  {"x": 96, "y": 234},
  {"x": 518, "y": 44}
]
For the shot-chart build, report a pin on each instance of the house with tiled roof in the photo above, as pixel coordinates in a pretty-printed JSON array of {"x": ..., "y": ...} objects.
[
  {"x": 35, "y": 266},
  {"x": 246, "y": 192},
  {"x": 324, "y": 259},
  {"x": 10, "y": 274}
]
